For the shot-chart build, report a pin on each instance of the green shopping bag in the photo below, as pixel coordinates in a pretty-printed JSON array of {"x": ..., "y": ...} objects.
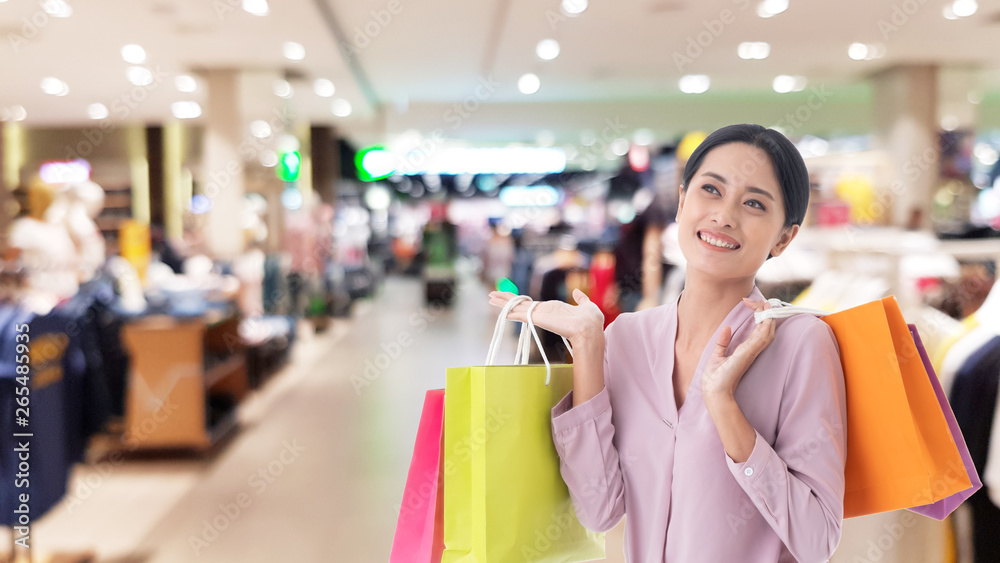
[{"x": 504, "y": 499}]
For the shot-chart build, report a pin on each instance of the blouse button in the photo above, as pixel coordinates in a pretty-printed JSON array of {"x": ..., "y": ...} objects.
[
  {"x": 668, "y": 423},
  {"x": 748, "y": 471}
]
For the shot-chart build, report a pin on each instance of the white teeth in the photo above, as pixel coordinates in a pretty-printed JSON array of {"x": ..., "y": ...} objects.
[{"x": 716, "y": 242}]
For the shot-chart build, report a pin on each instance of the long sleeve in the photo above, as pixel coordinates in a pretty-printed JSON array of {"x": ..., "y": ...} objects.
[
  {"x": 798, "y": 484},
  {"x": 584, "y": 437}
]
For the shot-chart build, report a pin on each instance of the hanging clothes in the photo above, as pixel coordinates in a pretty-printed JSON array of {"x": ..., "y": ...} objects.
[{"x": 973, "y": 398}]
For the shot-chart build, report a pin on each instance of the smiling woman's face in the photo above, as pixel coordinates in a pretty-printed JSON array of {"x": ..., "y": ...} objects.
[{"x": 732, "y": 214}]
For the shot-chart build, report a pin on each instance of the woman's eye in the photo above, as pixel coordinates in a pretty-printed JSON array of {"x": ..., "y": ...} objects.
[
  {"x": 757, "y": 204},
  {"x": 710, "y": 188}
]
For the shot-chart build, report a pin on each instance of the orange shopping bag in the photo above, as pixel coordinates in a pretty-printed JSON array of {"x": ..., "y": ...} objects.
[{"x": 900, "y": 451}]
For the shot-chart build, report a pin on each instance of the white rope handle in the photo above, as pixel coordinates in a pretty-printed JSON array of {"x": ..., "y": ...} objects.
[
  {"x": 491, "y": 355},
  {"x": 531, "y": 327},
  {"x": 524, "y": 339},
  {"x": 782, "y": 310}
]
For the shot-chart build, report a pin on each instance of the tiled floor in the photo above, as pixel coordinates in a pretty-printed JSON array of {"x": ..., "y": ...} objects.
[{"x": 320, "y": 462}]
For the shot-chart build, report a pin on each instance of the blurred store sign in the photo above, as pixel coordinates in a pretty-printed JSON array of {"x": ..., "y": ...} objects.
[
  {"x": 289, "y": 166},
  {"x": 65, "y": 172},
  {"x": 506, "y": 160},
  {"x": 374, "y": 163},
  {"x": 529, "y": 196}
]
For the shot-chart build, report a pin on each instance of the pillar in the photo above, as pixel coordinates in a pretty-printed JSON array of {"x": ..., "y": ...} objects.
[
  {"x": 154, "y": 159},
  {"x": 325, "y": 163},
  {"x": 906, "y": 127},
  {"x": 223, "y": 165},
  {"x": 174, "y": 185},
  {"x": 139, "y": 172}
]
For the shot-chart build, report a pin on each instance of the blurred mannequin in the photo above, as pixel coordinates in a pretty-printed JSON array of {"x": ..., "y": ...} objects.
[
  {"x": 45, "y": 248},
  {"x": 85, "y": 201}
]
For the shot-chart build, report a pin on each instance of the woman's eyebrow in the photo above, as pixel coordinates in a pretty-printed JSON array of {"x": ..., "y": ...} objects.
[{"x": 750, "y": 189}]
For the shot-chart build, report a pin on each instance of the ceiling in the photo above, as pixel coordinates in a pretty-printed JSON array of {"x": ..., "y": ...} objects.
[{"x": 453, "y": 65}]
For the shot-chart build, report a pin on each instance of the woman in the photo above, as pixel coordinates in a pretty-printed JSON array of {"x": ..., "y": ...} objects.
[{"x": 722, "y": 439}]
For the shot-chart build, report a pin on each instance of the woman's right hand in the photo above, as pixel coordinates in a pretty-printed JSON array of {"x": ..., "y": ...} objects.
[{"x": 577, "y": 323}]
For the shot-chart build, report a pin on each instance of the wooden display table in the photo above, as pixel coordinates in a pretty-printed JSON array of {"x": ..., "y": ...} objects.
[{"x": 186, "y": 378}]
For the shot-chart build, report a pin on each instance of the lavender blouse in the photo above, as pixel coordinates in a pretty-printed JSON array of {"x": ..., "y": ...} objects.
[{"x": 628, "y": 450}]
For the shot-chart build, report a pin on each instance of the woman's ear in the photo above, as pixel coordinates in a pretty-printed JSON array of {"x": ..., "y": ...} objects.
[{"x": 787, "y": 235}]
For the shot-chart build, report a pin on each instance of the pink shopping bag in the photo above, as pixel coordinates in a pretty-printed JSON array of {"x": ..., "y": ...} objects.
[
  {"x": 942, "y": 508},
  {"x": 420, "y": 528}
]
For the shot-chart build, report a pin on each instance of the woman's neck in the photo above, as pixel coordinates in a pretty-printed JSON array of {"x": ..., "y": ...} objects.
[{"x": 705, "y": 303}]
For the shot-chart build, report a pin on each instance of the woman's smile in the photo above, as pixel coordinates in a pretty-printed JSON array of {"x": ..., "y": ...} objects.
[{"x": 718, "y": 241}]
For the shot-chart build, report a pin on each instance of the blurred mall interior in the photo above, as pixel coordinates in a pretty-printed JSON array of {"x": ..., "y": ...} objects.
[{"x": 246, "y": 236}]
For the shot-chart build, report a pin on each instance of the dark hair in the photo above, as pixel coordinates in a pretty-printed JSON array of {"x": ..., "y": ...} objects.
[{"x": 785, "y": 158}]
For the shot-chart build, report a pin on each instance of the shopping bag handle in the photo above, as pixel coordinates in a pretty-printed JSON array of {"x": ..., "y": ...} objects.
[
  {"x": 491, "y": 355},
  {"x": 524, "y": 339},
  {"x": 782, "y": 310}
]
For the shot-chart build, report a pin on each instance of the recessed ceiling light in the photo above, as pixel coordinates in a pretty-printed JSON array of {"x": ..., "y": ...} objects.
[
  {"x": 784, "y": 83},
  {"x": 341, "y": 108},
  {"x": 139, "y": 75},
  {"x": 619, "y": 147},
  {"x": 283, "y": 89},
  {"x": 260, "y": 129},
  {"x": 770, "y": 8},
  {"x": 57, "y": 8},
  {"x": 268, "y": 158},
  {"x": 547, "y": 49},
  {"x": 97, "y": 111},
  {"x": 528, "y": 83},
  {"x": 324, "y": 88},
  {"x": 54, "y": 87},
  {"x": 643, "y": 137},
  {"x": 185, "y": 83},
  {"x": 134, "y": 54},
  {"x": 866, "y": 52},
  {"x": 13, "y": 113},
  {"x": 255, "y": 7},
  {"x": 185, "y": 110},
  {"x": 574, "y": 7},
  {"x": 694, "y": 83},
  {"x": 754, "y": 50},
  {"x": 964, "y": 8},
  {"x": 293, "y": 51},
  {"x": 858, "y": 51}
]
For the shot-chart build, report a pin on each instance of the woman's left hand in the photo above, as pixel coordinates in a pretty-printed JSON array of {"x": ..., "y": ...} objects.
[{"x": 723, "y": 373}]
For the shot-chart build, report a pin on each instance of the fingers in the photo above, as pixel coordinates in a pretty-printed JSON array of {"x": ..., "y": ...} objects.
[
  {"x": 580, "y": 297},
  {"x": 725, "y": 337}
]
